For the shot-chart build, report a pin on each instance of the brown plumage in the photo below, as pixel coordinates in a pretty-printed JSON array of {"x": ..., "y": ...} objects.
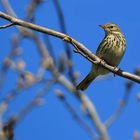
[{"x": 111, "y": 50}]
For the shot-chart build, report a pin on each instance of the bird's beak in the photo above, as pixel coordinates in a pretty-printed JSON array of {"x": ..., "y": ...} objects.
[{"x": 102, "y": 26}]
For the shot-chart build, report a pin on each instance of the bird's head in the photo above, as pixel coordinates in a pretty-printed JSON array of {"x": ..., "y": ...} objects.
[{"x": 110, "y": 28}]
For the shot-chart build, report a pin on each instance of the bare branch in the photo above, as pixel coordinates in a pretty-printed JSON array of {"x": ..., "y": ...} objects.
[
  {"x": 85, "y": 102},
  {"x": 31, "y": 9},
  {"x": 66, "y": 45},
  {"x": 50, "y": 47},
  {"x": 74, "y": 114},
  {"x": 6, "y": 26},
  {"x": 36, "y": 101},
  {"x": 121, "y": 107},
  {"x": 81, "y": 48}
]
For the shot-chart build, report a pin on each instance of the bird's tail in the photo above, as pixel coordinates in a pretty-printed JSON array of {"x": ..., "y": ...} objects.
[{"x": 86, "y": 81}]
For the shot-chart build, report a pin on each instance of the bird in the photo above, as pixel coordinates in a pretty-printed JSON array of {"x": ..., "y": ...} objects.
[{"x": 111, "y": 50}]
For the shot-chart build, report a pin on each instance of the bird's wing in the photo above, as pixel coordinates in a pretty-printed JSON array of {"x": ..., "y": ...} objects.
[{"x": 102, "y": 45}]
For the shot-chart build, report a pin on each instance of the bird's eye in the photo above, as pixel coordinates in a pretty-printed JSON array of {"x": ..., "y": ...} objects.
[{"x": 111, "y": 27}]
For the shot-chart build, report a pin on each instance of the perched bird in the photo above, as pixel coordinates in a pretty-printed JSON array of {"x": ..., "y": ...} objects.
[{"x": 111, "y": 50}]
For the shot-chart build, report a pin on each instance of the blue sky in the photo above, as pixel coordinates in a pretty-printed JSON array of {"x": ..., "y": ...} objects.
[{"x": 52, "y": 121}]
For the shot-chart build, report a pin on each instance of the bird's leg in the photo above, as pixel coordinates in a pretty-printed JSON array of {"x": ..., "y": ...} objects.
[{"x": 104, "y": 62}]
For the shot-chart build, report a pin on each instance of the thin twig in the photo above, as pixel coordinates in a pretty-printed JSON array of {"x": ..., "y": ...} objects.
[
  {"x": 66, "y": 45},
  {"x": 31, "y": 9},
  {"x": 36, "y": 101},
  {"x": 50, "y": 47},
  {"x": 119, "y": 110},
  {"x": 6, "y": 26}
]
